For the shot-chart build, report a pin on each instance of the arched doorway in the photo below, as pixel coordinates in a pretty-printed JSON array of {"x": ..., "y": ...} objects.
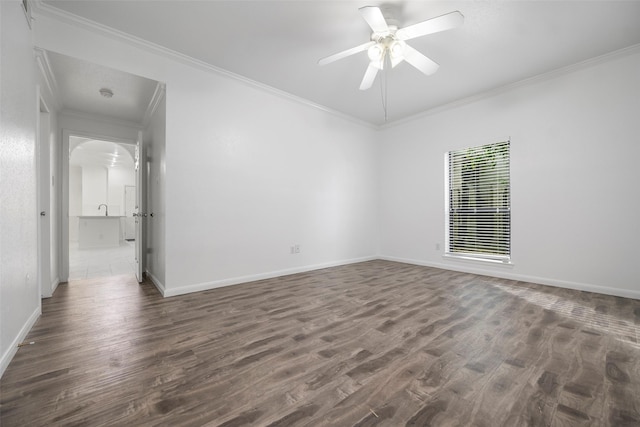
[{"x": 101, "y": 177}]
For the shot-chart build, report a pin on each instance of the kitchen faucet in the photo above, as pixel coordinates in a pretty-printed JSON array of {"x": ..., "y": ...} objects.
[{"x": 106, "y": 209}]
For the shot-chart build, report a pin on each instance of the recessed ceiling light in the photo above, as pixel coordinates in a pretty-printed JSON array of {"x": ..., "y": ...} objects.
[{"x": 107, "y": 93}]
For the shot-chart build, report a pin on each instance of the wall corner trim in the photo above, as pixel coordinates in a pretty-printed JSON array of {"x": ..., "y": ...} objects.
[
  {"x": 158, "y": 94},
  {"x": 44, "y": 65},
  {"x": 157, "y": 283},
  {"x": 54, "y": 285}
]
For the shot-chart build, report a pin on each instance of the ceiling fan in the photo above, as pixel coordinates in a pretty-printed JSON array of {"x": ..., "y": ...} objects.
[{"x": 388, "y": 43}]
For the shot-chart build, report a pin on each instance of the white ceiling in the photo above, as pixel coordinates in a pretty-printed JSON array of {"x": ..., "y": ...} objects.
[
  {"x": 78, "y": 85},
  {"x": 278, "y": 43}
]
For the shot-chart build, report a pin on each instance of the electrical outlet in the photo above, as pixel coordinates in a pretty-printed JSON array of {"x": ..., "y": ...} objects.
[
  {"x": 297, "y": 249},
  {"x": 437, "y": 246}
]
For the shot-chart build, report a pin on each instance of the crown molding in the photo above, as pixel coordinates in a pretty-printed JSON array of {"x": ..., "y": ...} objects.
[
  {"x": 40, "y": 8},
  {"x": 139, "y": 43},
  {"x": 558, "y": 72},
  {"x": 44, "y": 65}
]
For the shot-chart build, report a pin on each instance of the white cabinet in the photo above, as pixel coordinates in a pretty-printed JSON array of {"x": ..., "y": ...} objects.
[{"x": 99, "y": 232}]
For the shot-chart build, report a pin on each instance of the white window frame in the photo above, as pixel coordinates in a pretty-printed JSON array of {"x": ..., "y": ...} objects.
[{"x": 499, "y": 256}]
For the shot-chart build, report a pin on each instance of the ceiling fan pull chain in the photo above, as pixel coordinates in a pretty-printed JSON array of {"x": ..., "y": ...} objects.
[{"x": 384, "y": 92}]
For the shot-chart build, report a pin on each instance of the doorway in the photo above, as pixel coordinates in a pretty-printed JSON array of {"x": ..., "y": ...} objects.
[
  {"x": 47, "y": 256},
  {"x": 101, "y": 175},
  {"x": 94, "y": 102}
]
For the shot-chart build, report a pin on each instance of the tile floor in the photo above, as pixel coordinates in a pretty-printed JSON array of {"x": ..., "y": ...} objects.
[{"x": 101, "y": 262}]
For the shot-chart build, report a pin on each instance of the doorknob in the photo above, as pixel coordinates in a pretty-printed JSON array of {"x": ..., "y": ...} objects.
[{"x": 43, "y": 213}]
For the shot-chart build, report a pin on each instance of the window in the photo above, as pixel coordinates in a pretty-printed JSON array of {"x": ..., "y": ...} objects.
[{"x": 479, "y": 202}]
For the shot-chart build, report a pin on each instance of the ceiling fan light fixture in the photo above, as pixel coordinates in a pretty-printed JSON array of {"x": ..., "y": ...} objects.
[
  {"x": 388, "y": 44},
  {"x": 375, "y": 52},
  {"x": 396, "y": 52},
  {"x": 396, "y": 48}
]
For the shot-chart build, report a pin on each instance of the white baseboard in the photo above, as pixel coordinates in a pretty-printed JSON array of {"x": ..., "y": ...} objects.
[
  {"x": 157, "y": 283},
  {"x": 54, "y": 285},
  {"x": 507, "y": 274},
  {"x": 205, "y": 286},
  {"x": 13, "y": 347},
  {"x": 502, "y": 271}
]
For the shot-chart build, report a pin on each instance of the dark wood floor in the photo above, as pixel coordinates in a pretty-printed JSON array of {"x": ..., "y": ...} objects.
[{"x": 375, "y": 343}]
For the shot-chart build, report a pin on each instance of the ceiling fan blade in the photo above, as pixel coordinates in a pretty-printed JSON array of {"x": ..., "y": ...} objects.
[
  {"x": 375, "y": 19},
  {"x": 369, "y": 76},
  {"x": 430, "y": 26},
  {"x": 418, "y": 60},
  {"x": 345, "y": 53}
]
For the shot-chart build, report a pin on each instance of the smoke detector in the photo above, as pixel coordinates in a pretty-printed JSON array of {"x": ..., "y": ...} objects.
[{"x": 107, "y": 93}]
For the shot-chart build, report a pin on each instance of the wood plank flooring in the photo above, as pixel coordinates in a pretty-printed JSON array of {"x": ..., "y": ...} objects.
[{"x": 370, "y": 344}]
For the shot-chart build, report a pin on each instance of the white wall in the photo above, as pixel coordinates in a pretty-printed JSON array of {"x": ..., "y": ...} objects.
[
  {"x": 75, "y": 190},
  {"x": 98, "y": 127},
  {"x": 94, "y": 189},
  {"x": 252, "y": 175},
  {"x": 19, "y": 292},
  {"x": 155, "y": 155},
  {"x": 248, "y": 173},
  {"x": 75, "y": 201},
  {"x": 574, "y": 174},
  {"x": 117, "y": 178}
]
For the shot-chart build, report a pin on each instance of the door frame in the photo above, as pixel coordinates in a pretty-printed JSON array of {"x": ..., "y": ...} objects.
[
  {"x": 141, "y": 214},
  {"x": 64, "y": 190}
]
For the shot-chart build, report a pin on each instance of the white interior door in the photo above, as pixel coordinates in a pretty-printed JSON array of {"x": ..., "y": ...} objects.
[
  {"x": 44, "y": 215},
  {"x": 139, "y": 213}
]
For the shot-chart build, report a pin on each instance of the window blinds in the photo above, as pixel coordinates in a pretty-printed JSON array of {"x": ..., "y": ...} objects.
[{"x": 479, "y": 211}]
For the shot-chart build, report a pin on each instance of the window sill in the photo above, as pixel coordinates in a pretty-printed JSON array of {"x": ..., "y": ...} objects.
[{"x": 493, "y": 261}]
